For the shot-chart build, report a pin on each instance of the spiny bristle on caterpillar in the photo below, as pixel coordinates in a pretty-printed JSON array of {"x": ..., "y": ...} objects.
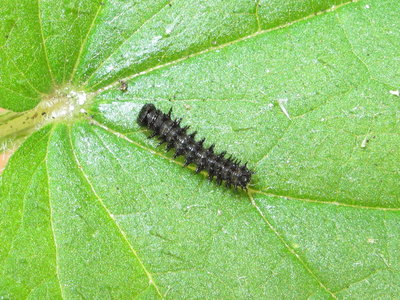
[{"x": 169, "y": 131}]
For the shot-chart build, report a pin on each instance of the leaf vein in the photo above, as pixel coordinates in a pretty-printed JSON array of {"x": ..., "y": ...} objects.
[
  {"x": 23, "y": 209},
  {"x": 121, "y": 232},
  {"x": 51, "y": 218},
  {"x": 125, "y": 40},
  {"x": 252, "y": 190},
  {"x": 219, "y": 47},
  {"x": 84, "y": 42},
  {"x": 44, "y": 43},
  {"x": 291, "y": 250}
]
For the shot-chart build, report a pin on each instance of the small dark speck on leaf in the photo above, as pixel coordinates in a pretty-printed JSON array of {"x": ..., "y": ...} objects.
[
  {"x": 43, "y": 113},
  {"x": 123, "y": 87}
]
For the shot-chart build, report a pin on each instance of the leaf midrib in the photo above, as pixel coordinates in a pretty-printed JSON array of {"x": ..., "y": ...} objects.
[{"x": 251, "y": 190}]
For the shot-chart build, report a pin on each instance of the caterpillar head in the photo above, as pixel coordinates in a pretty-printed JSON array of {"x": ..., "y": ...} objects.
[{"x": 144, "y": 112}]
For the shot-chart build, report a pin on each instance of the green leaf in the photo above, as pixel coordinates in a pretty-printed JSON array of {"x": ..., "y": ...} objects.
[{"x": 303, "y": 90}]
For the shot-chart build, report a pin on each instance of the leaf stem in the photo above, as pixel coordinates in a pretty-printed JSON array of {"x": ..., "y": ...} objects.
[
  {"x": 64, "y": 105},
  {"x": 15, "y": 126}
]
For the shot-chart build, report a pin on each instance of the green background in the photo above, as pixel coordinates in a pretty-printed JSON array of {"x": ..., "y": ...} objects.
[{"x": 303, "y": 90}]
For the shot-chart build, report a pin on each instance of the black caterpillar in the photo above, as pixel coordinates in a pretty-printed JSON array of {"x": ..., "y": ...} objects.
[{"x": 170, "y": 131}]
